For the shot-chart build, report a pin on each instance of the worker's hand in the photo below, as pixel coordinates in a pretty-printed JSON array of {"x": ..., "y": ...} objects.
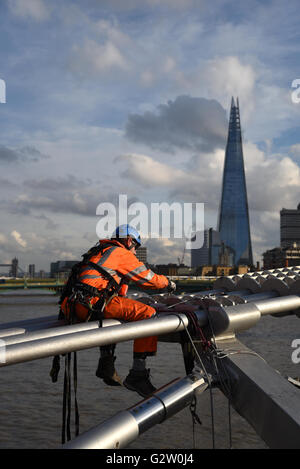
[{"x": 171, "y": 287}]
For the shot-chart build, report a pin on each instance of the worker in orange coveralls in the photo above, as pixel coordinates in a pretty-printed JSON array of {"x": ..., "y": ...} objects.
[{"x": 97, "y": 289}]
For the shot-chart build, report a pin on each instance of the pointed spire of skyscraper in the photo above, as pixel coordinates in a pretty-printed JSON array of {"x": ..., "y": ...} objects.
[{"x": 234, "y": 217}]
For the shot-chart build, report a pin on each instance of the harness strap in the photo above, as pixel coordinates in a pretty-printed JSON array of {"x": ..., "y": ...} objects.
[
  {"x": 106, "y": 293},
  {"x": 105, "y": 274},
  {"x": 75, "y": 395},
  {"x": 66, "y": 402},
  {"x": 66, "y": 418}
]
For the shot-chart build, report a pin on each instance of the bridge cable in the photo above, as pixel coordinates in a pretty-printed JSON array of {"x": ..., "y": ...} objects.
[
  {"x": 205, "y": 372},
  {"x": 224, "y": 383}
]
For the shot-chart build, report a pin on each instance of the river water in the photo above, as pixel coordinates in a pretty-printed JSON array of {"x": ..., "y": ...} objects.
[{"x": 31, "y": 405}]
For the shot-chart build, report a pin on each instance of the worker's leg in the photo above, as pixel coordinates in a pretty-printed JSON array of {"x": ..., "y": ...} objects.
[{"x": 131, "y": 310}]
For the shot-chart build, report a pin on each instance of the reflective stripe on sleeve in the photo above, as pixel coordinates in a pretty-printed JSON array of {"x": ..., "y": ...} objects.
[
  {"x": 146, "y": 279},
  {"x": 135, "y": 272}
]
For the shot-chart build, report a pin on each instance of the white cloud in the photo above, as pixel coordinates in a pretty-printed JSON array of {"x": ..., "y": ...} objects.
[
  {"x": 3, "y": 239},
  {"x": 199, "y": 182},
  {"x": 147, "y": 78},
  {"x": 228, "y": 76},
  {"x": 169, "y": 65},
  {"x": 17, "y": 236},
  {"x": 34, "y": 9},
  {"x": 272, "y": 181},
  {"x": 147, "y": 171},
  {"x": 295, "y": 150},
  {"x": 97, "y": 58},
  {"x": 164, "y": 250},
  {"x": 110, "y": 30}
]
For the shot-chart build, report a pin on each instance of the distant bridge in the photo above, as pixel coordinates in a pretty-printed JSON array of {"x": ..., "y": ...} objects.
[
  {"x": 25, "y": 284},
  {"x": 183, "y": 284}
]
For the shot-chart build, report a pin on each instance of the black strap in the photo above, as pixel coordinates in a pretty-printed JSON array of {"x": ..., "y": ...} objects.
[
  {"x": 66, "y": 420},
  {"x": 195, "y": 417},
  {"x": 55, "y": 368},
  {"x": 66, "y": 401},
  {"x": 66, "y": 417},
  {"x": 105, "y": 274},
  {"x": 75, "y": 395}
]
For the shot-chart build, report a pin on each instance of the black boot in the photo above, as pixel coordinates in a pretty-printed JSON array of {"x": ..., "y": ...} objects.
[
  {"x": 106, "y": 371},
  {"x": 138, "y": 380}
]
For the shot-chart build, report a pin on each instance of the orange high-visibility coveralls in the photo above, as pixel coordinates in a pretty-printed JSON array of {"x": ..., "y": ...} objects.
[{"x": 121, "y": 263}]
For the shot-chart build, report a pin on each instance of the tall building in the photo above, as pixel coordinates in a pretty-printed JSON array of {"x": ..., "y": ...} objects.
[
  {"x": 289, "y": 227},
  {"x": 14, "y": 267},
  {"x": 61, "y": 268},
  {"x": 31, "y": 270},
  {"x": 209, "y": 253},
  {"x": 233, "y": 224},
  {"x": 201, "y": 256},
  {"x": 141, "y": 254}
]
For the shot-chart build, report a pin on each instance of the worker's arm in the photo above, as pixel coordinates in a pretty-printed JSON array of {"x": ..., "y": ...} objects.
[{"x": 135, "y": 271}]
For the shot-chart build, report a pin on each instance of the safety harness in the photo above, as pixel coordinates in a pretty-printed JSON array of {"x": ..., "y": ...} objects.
[
  {"x": 82, "y": 293},
  {"x": 79, "y": 292}
]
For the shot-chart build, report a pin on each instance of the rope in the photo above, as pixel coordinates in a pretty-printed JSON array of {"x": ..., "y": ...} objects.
[
  {"x": 65, "y": 432},
  {"x": 205, "y": 372},
  {"x": 66, "y": 417},
  {"x": 225, "y": 387},
  {"x": 195, "y": 418},
  {"x": 216, "y": 356},
  {"x": 75, "y": 395}
]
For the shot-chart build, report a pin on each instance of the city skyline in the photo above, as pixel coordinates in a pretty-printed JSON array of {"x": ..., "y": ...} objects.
[{"x": 133, "y": 98}]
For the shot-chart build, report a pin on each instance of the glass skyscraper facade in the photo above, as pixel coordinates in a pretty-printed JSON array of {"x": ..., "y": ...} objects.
[{"x": 233, "y": 224}]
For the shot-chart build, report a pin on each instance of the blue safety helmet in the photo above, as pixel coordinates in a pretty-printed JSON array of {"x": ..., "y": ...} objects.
[{"x": 126, "y": 230}]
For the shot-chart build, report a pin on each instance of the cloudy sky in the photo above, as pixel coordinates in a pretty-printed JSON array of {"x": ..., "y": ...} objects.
[{"x": 107, "y": 97}]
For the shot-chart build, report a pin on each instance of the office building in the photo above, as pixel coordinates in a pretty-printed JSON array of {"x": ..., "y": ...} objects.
[
  {"x": 233, "y": 224},
  {"x": 209, "y": 253},
  {"x": 141, "y": 254},
  {"x": 200, "y": 256},
  {"x": 61, "y": 268},
  {"x": 31, "y": 270},
  {"x": 14, "y": 267},
  {"x": 282, "y": 257},
  {"x": 289, "y": 227}
]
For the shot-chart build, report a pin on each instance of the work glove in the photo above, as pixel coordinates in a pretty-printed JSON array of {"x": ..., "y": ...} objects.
[{"x": 171, "y": 287}]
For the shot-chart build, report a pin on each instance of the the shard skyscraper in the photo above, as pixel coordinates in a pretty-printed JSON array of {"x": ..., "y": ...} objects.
[{"x": 233, "y": 224}]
